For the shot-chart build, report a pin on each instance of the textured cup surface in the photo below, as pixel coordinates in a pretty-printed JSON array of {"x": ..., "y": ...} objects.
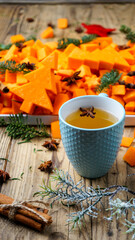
[{"x": 92, "y": 152}]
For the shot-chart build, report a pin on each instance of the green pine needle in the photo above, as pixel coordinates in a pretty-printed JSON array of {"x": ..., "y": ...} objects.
[
  {"x": 17, "y": 128},
  {"x": 109, "y": 78},
  {"x": 64, "y": 42},
  {"x": 12, "y": 67},
  {"x": 130, "y": 35}
]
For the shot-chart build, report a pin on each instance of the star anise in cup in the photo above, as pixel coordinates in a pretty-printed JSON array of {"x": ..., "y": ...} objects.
[
  {"x": 4, "y": 176},
  {"x": 87, "y": 112},
  {"x": 52, "y": 145}
]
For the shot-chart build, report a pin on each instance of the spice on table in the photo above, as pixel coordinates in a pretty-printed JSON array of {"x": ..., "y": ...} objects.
[
  {"x": 30, "y": 19},
  {"x": 25, "y": 213},
  {"x": 46, "y": 166},
  {"x": 79, "y": 29},
  {"x": 50, "y": 25},
  {"x": 51, "y": 145},
  {"x": 98, "y": 29},
  {"x": 87, "y": 112},
  {"x": 4, "y": 176},
  {"x": 72, "y": 79}
]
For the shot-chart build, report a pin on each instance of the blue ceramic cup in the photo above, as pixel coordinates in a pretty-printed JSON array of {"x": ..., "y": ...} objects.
[{"x": 92, "y": 152}]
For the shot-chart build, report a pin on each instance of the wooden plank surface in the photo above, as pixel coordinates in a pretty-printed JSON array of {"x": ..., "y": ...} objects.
[{"x": 23, "y": 159}]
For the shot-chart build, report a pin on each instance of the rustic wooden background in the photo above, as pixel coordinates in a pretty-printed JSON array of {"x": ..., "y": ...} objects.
[{"x": 23, "y": 158}]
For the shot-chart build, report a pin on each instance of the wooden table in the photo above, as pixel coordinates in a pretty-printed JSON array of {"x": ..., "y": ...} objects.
[{"x": 23, "y": 158}]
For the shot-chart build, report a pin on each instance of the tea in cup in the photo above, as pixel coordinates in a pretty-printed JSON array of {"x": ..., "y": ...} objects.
[{"x": 91, "y": 142}]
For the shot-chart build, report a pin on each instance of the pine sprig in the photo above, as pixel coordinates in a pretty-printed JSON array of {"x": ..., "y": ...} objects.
[
  {"x": 87, "y": 199},
  {"x": 12, "y": 67},
  {"x": 109, "y": 78},
  {"x": 64, "y": 42},
  {"x": 17, "y": 128},
  {"x": 130, "y": 35}
]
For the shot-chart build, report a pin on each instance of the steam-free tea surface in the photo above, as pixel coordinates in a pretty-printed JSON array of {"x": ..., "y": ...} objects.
[{"x": 102, "y": 119}]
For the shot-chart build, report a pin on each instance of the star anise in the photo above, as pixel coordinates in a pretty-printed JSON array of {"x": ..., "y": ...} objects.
[
  {"x": 4, "y": 176},
  {"x": 5, "y": 90},
  {"x": 20, "y": 46},
  {"x": 46, "y": 166},
  {"x": 123, "y": 47},
  {"x": 79, "y": 29},
  {"x": 52, "y": 145},
  {"x": 72, "y": 79},
  {"x": 50, "y": 25},
  {"x": 87, "y": 112},
  {"x": 29, "y": 65},
  {"x": 29, "y": 19},
  {"x": 127, "y": 85},
  {"x": 131, "y": 73}
]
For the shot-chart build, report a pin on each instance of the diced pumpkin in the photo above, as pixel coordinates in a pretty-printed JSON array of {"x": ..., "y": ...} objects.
[
  {"x": 6, "y": 110},
  {"x": 10, "y": 53},
  {"x": 59, "y": 100},
  {"x": 69, "y": 49},
  {"x": 20, "y": 79},
  {"x": 10, "y": 77},
  {"x": 129, "y": 156},
  {"x": 119, "y": 99},
  {"x": 55, "y": 130},
  {"x": 85, "y": 71},
  {"x": 130, "y": 106},
  {"x": 92, "y": 59},
  {"x": 126, "y": 141},
  {"x": 79, "y": 92},
  {"x": 89, "y": 46},
  {"x": 91, "y": 82},
  {"x": 29, "y": 51},
  {"x": 62, "y": 23},
  {"x": 106, "y": 60},
  {"x": 65, "y": 72},
  {"x": 75, "y": 58},
  {"x": 118, "y": 90},
  {"x": 47, "y": 33},
  {"x": 29, "y": 43},
  {"x": 130, "y": 113},
  {"x": 16, "y": 106},
  {"x": 17, "y": 38},
  {"x": 27, "y": 107},
  {"x": 127, "y": 79},
  {"x": 52, "y": 45},
  {"x": 129, "y": 96},
  {"x": 127, "y": 56},
  {"x": 6, "y": 99},
  {"x": 51, "y": 61},
  {"x": 90, "y": 92},
  {"x": 42, "y": 53}
]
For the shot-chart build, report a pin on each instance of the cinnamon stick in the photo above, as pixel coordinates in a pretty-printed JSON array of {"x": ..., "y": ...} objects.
[{"x": 24, "y": 216}]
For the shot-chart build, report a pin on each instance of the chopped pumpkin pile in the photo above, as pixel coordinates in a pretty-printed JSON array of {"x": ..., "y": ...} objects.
[{"x": 59, "y": 75}]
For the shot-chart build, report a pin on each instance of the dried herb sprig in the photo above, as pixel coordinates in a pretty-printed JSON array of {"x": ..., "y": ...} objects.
[
  {"x": 130, "y": 35},
  {"x": 109, "y": 78},
  {"x": 12, "y": 67},
  {"x": 64, "y": 42},
  {"x": 17, "y": 128},
  {"x": 87, "y": 199}
]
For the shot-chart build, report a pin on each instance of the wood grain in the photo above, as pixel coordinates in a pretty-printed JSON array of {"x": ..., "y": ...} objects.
[{"x": 24, "y": 159}]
